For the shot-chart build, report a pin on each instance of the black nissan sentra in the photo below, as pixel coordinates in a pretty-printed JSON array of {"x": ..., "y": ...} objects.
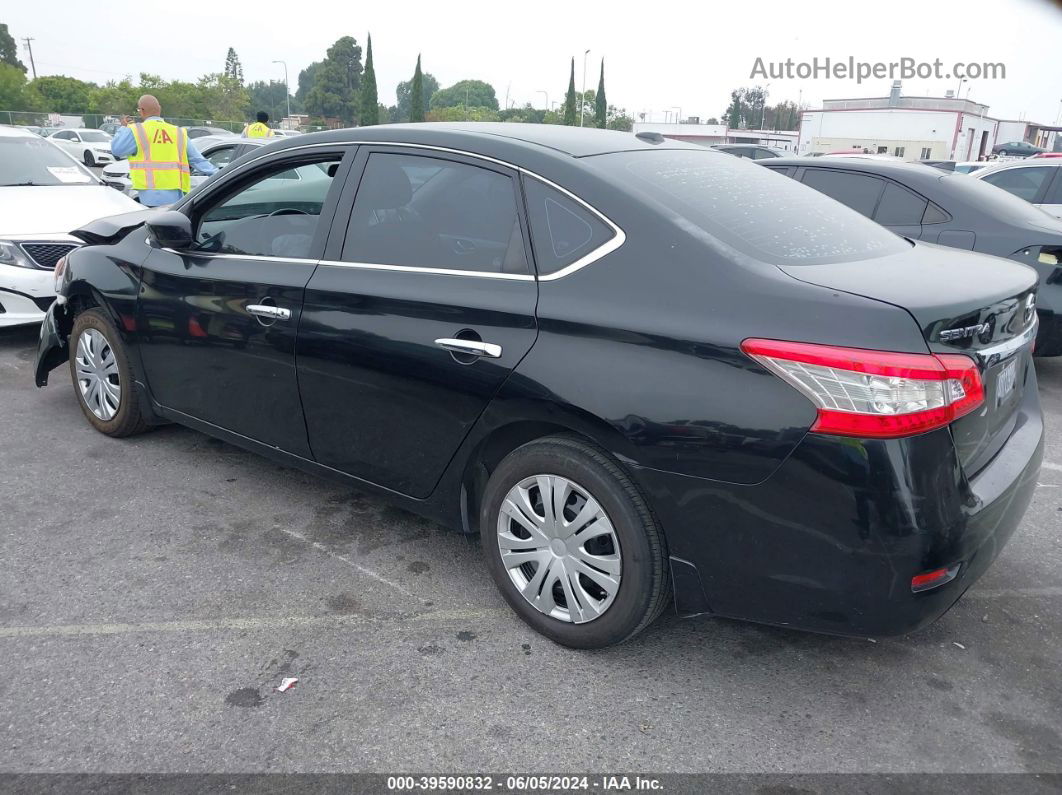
[{"x": 640, "y": 370}]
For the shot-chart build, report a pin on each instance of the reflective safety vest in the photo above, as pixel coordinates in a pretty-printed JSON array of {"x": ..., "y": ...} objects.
[
  {"x": 259, "y": 130},
  {"x": 161, "y": 158}
]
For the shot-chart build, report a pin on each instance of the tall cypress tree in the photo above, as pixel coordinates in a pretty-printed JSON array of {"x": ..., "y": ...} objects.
[
  {"x": 416, "y": 101},
  {"x": 370, "y": 105},
  {"x": 233, "y": 67},
  {"x": 569, "y": 99},
  {"x": 600, "y": 104}
]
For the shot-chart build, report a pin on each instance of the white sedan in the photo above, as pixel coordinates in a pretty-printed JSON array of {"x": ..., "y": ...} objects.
[
  {"x": 1037, "y": 180},
  {"x": 44, "y": 193},
  {"x": 91, "y": 147}
]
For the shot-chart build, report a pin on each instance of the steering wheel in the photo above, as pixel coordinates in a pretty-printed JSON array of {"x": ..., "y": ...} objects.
[{"x": 287, "y": 211}]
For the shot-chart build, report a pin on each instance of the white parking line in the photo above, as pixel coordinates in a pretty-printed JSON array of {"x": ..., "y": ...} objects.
[
  {"x": 275, "y": 622},
  {"x": 363, "y": 569}
]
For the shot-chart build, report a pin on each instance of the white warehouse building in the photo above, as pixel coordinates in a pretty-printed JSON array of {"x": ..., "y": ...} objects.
[{"x": 912, "y": 128}]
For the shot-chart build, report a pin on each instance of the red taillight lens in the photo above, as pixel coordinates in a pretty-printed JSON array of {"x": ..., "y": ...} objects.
[
  {"x": 933, "y": 579},
  {"x": 877, "y": 394}
]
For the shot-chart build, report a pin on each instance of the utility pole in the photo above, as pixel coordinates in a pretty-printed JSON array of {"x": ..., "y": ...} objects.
[
  {"x": 582, "y": 97},
  {"x": 29, "y": 47}
]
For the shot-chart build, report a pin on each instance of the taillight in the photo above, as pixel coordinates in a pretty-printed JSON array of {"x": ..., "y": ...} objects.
[{"x": 876, "y": 394}]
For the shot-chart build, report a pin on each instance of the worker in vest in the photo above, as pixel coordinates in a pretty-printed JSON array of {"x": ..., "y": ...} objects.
[
  {"x": 260, "y": 129},
  {"x": 160, "y": 155}
]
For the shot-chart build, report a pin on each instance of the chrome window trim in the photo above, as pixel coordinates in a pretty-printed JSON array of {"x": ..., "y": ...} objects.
[{"x": 618, "y": 239}]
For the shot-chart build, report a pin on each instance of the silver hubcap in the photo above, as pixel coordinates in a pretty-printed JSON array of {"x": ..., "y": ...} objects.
[
  {"x": 97, "y": 374},
  {"x": 559, "y": 548}
]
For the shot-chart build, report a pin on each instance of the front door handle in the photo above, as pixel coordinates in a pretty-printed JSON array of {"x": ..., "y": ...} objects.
[
  {"x": 267, "y": 310},
  {"x": 470, "y": 347}
]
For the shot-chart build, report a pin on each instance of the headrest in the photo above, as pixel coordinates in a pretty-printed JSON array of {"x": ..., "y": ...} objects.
[{"x": 390, "y": 184}]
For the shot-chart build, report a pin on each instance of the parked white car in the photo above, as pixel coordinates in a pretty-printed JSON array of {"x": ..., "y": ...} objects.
[
  {"x": 1037, "y": 180},
  {"x": 44, "y": 193},
  {"x": 219, "y": 150},
  {"x": 91, "y": 147}
]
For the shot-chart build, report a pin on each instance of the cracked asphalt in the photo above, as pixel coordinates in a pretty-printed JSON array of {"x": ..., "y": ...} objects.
[{"x": 155, "y": 591}]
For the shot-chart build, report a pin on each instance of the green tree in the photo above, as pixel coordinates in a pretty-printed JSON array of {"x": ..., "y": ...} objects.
[
  {"x": 219, "y": 98},
  {"x": 268, "y": 96},
  {"x": 116, "y": 98},
  {"x": 416, "y": 100},
  {"x": 306, "y": 78},
  {"x": 370, "y": 105},
  {"x": 14, "y": 94},
  {"x": 600, "y": 104},
  {"x": 9, "y": 50},
  {"x": 233, "y": 67},
  {"x": 470, "y": 93},
  {"x": 569, "y": 99},
  {"x": 619, "y": 119},
  {"x": 459, "y": 113},
  {"x": 334, "y": 93},
  {"x": 404, "y": 94},
  {"x": 63, "y": 94}
]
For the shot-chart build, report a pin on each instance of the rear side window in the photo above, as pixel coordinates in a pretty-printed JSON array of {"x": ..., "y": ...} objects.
[
  {"x": 858, "y": 191},
  {"x": 563, "y": 231},
  {"x": 749, "y": 208},
  {"x": 427, "y": 212},
  {"x": 1025, "y": 183},
  {"x": 900, "y": 207}
]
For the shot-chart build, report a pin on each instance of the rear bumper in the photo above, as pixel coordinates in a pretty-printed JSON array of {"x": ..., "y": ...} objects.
[
  {"x": 1049, "y": 337},
  {"x": 831, "y": 540}
]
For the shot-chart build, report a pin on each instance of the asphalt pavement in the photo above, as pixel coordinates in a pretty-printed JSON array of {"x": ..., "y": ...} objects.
[{"x": 155, "y": 591}]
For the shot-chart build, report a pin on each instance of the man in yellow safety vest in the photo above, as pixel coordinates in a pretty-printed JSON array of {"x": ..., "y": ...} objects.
[
  {"x": 160, "y": 155},
  {"x": 260, "y": 129}
]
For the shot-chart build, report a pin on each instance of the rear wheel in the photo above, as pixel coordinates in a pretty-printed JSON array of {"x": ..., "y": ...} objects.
[
  {"x": 90, "y": 161},
  {"x": 103, "y": 381},
  {"x": 572, "y": 545}
]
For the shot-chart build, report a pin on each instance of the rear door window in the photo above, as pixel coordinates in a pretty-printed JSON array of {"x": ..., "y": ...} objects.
[
  {"x": 428, "y": 212},
  {"x": 563, "y": 231},
  {"x": 858, "y": 191}
]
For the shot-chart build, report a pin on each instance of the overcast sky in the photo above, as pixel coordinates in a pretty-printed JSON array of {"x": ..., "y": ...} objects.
[{"x": 658, "y": 56}]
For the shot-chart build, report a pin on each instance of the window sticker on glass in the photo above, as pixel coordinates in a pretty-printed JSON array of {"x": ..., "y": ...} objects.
[{"x": 71, "y": 174}]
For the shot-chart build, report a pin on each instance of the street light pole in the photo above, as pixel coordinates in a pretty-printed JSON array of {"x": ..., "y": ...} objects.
[
  {"x": 546, "y": 95},
  {"x": 582, "y": 98},
  {"x": 287, "y": 87}
]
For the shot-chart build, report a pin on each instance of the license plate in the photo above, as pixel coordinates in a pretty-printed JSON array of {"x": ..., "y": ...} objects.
[{"x": 1005, "y": 381}]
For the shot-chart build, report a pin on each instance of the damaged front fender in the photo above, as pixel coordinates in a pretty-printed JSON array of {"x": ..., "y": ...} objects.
[{"x": 53, "y": 346}]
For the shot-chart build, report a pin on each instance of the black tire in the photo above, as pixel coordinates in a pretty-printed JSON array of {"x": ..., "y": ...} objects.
[
  {"x": 644, "y": 588},
  {"x": 90, "y": 161},
  {"x": 1003, "y": 152},
  {"x": 128, "y": 419}
]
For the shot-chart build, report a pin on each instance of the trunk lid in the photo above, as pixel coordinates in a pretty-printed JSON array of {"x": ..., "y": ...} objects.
[{"x": 965, "y": 303}]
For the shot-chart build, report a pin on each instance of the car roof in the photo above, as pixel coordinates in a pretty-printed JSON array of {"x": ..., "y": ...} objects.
[
  {"x": 572, "y": 141},
  {"x": 16, "y": 132},
  {"x": 1051, "y": 162}
]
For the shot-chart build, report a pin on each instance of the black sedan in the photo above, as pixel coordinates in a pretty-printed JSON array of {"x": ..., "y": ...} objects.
[
  {"x": 1018, "y": 148},
  {"x": 636, "y": 368},
  {"x": 955, "y": 210}
]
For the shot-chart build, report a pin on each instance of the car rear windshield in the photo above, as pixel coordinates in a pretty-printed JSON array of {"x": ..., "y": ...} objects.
[
  {"x": 35, "y": 161},
  {"x": 750, "y": 208}
]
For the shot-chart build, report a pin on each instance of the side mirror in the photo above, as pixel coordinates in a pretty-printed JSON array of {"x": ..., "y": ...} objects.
[{"x": 171, "y": 229}]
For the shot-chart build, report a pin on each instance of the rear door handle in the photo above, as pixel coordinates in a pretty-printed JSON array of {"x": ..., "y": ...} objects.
[
  {"x": 267, "y": 310},
  {"x": 471, "y": 347}
]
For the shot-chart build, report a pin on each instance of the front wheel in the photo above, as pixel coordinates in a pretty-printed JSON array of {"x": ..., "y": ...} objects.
[
  {"x": 572, "y": 545},
  {"x": 103, "y": 381},
  {"x": 90, "y": 161}
]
